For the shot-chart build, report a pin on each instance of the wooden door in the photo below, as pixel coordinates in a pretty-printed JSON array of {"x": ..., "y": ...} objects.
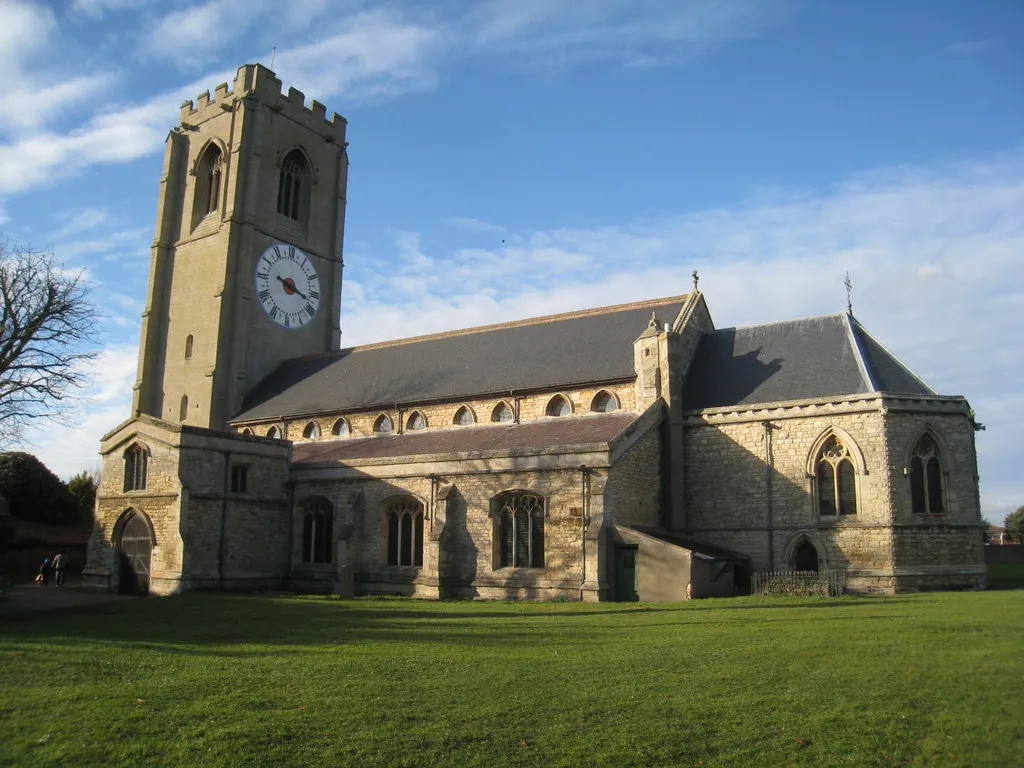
[{"x": 135, "y": 553}]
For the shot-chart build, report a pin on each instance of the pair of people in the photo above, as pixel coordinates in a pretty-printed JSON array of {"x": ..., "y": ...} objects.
[{"x": 59, "y": 567}]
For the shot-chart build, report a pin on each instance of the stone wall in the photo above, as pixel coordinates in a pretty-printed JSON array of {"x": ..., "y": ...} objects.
[{"x": 634, "y": 492}]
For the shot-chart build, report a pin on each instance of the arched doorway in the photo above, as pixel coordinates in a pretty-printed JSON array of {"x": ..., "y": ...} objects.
[
  {"x": 134, "y": 554},
  {"x": 805, "y": 557}
]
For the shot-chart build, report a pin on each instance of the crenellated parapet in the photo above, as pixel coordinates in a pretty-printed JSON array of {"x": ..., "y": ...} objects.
[{"x": 256, "y": 82}]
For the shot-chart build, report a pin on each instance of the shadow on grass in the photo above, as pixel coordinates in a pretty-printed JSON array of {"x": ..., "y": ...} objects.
[
  {"x": 1006, "y": 576},
  {"x": 196, "y": 622}
]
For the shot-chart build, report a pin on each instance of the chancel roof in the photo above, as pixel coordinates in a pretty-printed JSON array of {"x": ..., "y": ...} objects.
[
  {"x": 559, "y": 351},
  {"x": 545, "y": 433},
  {"x": 793, "y": 360}
]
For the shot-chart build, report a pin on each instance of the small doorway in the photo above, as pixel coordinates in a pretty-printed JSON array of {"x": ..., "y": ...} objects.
[
  {"x": 626, "y": 585},
  {"x": 134, "y": 554},
  {"x": 805, "y": 557}
]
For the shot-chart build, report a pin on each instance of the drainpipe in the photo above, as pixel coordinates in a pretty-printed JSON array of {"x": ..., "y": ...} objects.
[
  {"x": 770, "y": 512},
  {"x": 583, "y": 526}
]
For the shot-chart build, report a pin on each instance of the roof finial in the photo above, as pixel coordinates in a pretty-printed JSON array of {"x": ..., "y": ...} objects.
[
  {"x": 654, "y": 321},
  {"x": 849, "y": 293},
  {"x": 273, "y": 51},
  {"x": 696, "y": 279}
]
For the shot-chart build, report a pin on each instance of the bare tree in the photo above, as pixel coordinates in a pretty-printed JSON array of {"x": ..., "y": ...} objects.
[{"x": 46, "y": 338}]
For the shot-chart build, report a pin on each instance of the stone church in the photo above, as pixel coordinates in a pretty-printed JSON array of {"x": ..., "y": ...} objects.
[{"x": 626, "y": 452}]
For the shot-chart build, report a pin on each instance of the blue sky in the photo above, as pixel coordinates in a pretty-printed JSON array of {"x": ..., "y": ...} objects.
[{"x": 518, "y": 158}]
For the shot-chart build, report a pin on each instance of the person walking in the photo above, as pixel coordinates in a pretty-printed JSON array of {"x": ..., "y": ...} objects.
[
  {"x": 44, "y": 573},
  {"x": 60, "y": 564}
]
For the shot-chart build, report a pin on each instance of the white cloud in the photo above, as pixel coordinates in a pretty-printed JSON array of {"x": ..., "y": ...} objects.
[{"x": 98, "y": 8}]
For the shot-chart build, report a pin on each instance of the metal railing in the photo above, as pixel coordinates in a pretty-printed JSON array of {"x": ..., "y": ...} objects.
[{"x": 787, "y": 583}]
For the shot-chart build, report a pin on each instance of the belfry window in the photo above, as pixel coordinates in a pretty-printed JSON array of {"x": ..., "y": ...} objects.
[
  {"x": 520, "y": 530},
  {"x": 836, "y": 480},
  {"x": 502, "y": 412},
  {"x": 317, "y": 532},
  {"x": 136, "y": 468},
  {"x": 926, "y": 494},
  {"x": 294, "y": 186},
  {"x": 208, "y": 176},
  {"x": 405, "y": 532}
]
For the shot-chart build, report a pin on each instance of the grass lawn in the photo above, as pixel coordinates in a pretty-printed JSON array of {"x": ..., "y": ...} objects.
[{"x": 211, "y": 679}]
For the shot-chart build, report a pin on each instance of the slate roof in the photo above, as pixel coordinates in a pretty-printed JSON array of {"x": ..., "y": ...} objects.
[
  {"x": 545, "y": 433},
  {"x": 558, "y": 351},
  {"x": 803, "y": 359}
]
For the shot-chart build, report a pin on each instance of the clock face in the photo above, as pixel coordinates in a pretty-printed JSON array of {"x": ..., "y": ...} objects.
[{"x": 287, "y": 285}]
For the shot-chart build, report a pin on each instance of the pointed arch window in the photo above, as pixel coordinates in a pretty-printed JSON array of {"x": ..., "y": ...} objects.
[
  {"x": 464, "y": 417},
  {"x": 136, "y": 468},
  {"x": 836, "y": 480},
  {"x": 183, "y": 408},
  {"x": 926, "y": 491},
  {"x": 188, "y": 346},
  {"x": 311, "y": 431},
  {"x": 274, "y": 432},
  {"x": 502, "y": 412},
  {"x": 294, "y": 186},
  {"x": 604, "y": 402},
  {"x": 416, "y": 421},
  {"x": 341, "y": 428},
  {"x": 559, "y": 405},
  {"x": 208, "y": 178},
  {"x": 246, "y": 431},
  {"x": 317, "y": 531},
  {"x": 520, "y": 530},
  {"x": 405, "y": 532},
  {"x": 383, "y": 424}
]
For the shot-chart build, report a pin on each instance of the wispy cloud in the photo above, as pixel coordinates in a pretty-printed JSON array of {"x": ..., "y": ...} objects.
[
  {"x": 98, "y": 8},
  {"x": 971, "y": 47}
]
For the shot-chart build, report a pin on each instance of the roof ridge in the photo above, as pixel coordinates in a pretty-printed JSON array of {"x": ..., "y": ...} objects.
[
  {"x": 591, "y": 312},
  {"x": 779, "y": 322},
  {"x": 858, "y": 352},
  {"x": 855, "y": 323}
]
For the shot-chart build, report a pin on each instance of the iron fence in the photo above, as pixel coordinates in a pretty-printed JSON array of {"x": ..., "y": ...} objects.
[{"x": 798, "y": 583}]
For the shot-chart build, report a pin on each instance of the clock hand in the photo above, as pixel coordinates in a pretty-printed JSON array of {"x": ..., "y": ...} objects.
[{"x": 289, "y": 287}]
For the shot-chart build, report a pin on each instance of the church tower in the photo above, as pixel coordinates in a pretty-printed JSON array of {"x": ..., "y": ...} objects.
[{"x": 246, "y": 264}]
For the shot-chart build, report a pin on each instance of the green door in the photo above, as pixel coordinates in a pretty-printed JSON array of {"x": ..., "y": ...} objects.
[{"x": 625, "y": 573}]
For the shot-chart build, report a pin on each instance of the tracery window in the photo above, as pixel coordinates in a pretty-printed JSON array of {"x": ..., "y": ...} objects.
[
  {"x": 208, "y": 174},
  {"x": 521, "y": 530},
  {"x": 405, "y": 532},
  {"x": 317, "y": 531},
  {"x": 274, "y": 432},
  {"x": 341, "y": 428},
  {"x": 383, "y": 424},
  {"x": 293, "y": 187},
  {"x": 836, "y": 480},
  {"x": 312, "y": 431},
  {"x": 416, "y": 421},
  {"x": 926, "y": 494},
  {"x": 559, "y": 405},
  {"x": 464, "y": 417},
  {"x": 502, "y": 412},
  {"x": 136, "y": 468},
  {"x": 604, "y": 402}
]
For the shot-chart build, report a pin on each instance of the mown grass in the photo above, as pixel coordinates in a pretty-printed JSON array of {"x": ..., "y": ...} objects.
[{"x": 225, "y": 680}]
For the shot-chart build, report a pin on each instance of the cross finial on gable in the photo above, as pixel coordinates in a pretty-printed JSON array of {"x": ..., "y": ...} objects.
[
  {"x": 849, "y": 293},
  {"x": 654, "y": 321},
  {"x": 696, "y": 279}
]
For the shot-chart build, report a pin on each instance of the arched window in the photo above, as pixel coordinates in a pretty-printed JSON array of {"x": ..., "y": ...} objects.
[
  {"x": 246, "y": 431},
  {"x": 341, "y": 428},
  {"x": 188, "y": 347},
  {"x": 520, "y": 530},
  {"x": 274, "y": 432},
  {"x": 836, "y": 480},
  {"x": 136, "y": 468},
  {"x": 559, "y": 405},
  {"x": 604, "y": 402},
  {"x": 208, "y": 174},
  {"x": 293, "y": 187},
  {"x": 317, "y": 531},
  {"x": 405, "y": 532},
  {"x": 926, "y": 494},
  {"x": 183, "y": 408},
  {"x": 383, "y": 424},
  {"x": 311, "y": 431},
  {"x": 464, "y": 417},
  {"x": 502, "y": 412},
  {"x": 416, "y": 421}
]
